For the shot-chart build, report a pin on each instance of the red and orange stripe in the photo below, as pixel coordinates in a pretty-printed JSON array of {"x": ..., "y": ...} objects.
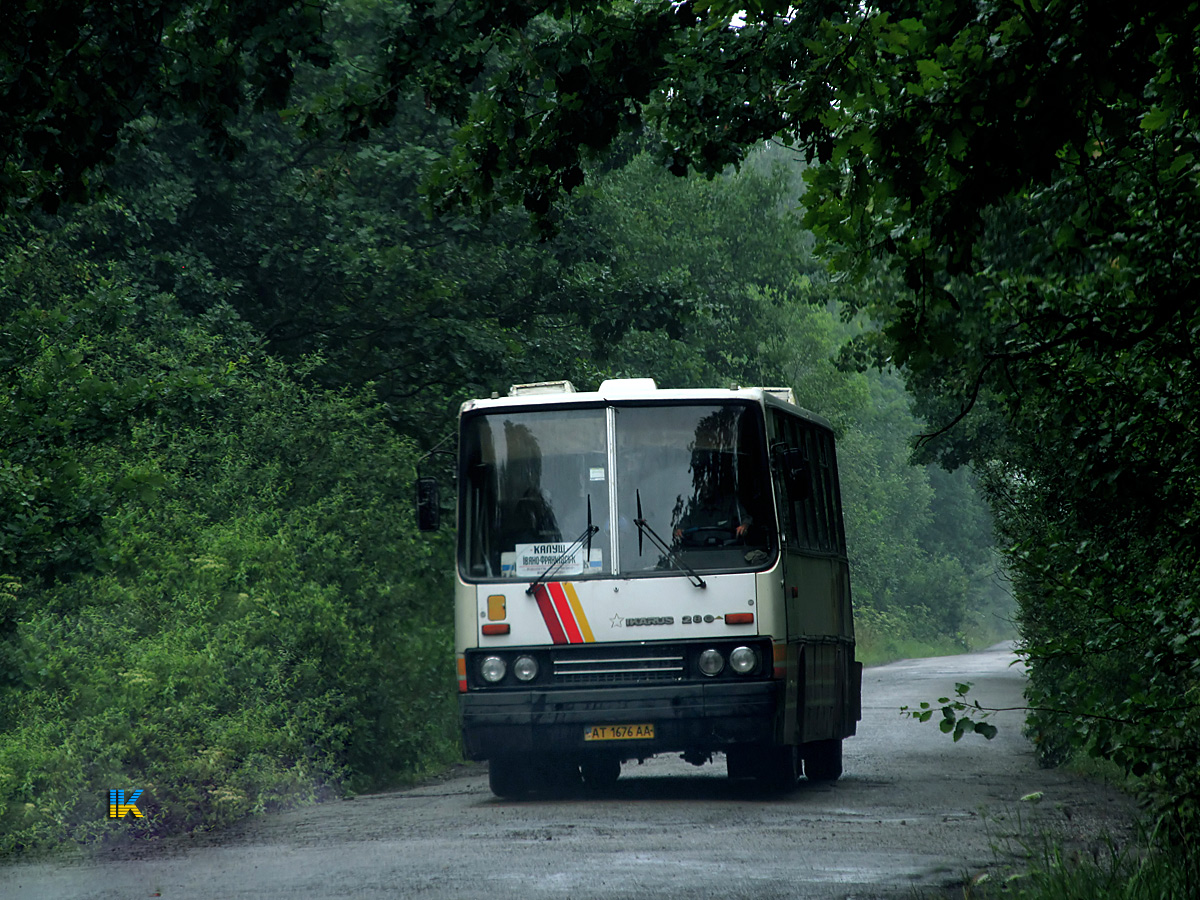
[{"x": 563, "y": 613}]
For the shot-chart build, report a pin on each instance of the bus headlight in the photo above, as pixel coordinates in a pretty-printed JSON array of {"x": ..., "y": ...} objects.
[
  {"x": 743, "y": 660},
  {"x": 711, "y": 662},
  {"x": 525, "y": 668},
  {"x": 492, "y": 669}
]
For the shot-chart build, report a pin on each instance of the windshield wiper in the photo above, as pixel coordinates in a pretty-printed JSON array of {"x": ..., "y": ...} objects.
[
  {"x": 644, "y": 527},
  {"x": 566, "y": 554}
]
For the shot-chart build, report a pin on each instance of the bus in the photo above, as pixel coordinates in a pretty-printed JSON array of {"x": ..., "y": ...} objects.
[{"x": 643, "y": 571}]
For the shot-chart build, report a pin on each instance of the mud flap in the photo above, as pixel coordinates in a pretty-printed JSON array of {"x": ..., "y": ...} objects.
[{"x": 856, "y": 676}]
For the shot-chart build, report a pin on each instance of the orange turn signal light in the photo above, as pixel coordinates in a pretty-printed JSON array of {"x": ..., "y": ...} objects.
[{"x": 779, "y": 653}]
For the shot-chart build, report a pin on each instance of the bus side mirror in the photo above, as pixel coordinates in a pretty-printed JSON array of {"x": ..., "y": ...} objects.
[
  {"x": 797, "y": 478},
  {"x": 429, "y": 505}
]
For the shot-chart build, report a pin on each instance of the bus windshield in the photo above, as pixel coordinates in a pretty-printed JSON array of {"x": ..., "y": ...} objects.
[
  {"x": 533, "y": 481},
  {"x": 529, "y": 479},
  {"x": 700, "y": 472}
]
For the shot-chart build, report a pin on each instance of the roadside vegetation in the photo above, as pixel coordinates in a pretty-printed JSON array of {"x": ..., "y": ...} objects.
[
  {"x": 252, "y": 260},
  {"x": 1107, "y": 873},
  {"x": 220, "y": 380},
  {"x": 215, "y": 598},
  {"x": 214, "y": 588}
]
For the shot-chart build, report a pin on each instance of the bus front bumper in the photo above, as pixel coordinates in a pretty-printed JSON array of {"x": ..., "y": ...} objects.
[{"x": 685, "y": 717}]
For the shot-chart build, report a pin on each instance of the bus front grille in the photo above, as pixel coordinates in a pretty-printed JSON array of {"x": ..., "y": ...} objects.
[{"x": 624, "y": 665}]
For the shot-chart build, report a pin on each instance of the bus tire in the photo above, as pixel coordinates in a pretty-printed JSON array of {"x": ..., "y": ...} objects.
[
  {"x": 740, "y": 762},
  {"x": 508, "y": 777},
  {"x": 823, "y": 760},
  {"x": 601, "y": 772},
  {"x": 780, "y": 768},
  {"x": 555, "y": 776}
]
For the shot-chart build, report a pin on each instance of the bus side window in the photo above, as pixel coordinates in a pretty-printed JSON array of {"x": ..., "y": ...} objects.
[
  {"x": 812, "y": 521},
  {"x": 780, "y": 442},
  {"x": 827, "y": 478},
  {"x": 839, "y": 526},
  {"x": 822, "y": 490},
  {"x": 789, "y": 439},
  {"x": 811, "y": 518}
]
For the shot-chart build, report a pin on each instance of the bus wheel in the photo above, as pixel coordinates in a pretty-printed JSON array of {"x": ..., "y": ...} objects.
[
  {"x": 508, "y": 777},
  {"x": 555, "y": 776},
  {"x": 740, "y": 762},
  {"x": 823, "y": 760},
  {"x": 601, "y": 772},
  {"x": 780, "y": 768}
]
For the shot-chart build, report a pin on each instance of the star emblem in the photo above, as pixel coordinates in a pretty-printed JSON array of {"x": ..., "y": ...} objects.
[{"x": 617, "y": 622}]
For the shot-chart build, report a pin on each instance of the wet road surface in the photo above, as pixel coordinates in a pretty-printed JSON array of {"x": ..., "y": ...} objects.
[{"x": 913, "y": 810}]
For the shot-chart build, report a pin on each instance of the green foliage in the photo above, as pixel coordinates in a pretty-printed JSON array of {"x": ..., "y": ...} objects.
[
  {"x": 329, "y": 251},
  {"x": 211, "y": 588},
  {"x": 953, "y": 722},
  {"x": 76, "y": 375},
  {"x": 1109, "y": 872},
  {"x": 767, "y": 315},
  {"x": 77, "y": 73},
  {"x": 1028, "y": 175},
  {"x": 1066, "y": 362},
  {"x": 256, "y": 627}
]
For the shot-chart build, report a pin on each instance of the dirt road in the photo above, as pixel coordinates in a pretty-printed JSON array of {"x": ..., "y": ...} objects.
[{"x": 913, "y": 810}]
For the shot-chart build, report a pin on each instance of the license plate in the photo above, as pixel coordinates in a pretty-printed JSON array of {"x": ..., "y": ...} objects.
[{"x": 618, "y": 732}]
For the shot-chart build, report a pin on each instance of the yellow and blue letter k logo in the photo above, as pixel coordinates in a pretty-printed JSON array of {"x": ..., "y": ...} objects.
[{"x": 118, "y": 808}]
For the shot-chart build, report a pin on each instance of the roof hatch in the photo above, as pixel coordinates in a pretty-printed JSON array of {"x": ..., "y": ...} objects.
[
  {"x": 541, "y": 387},
  {"x": 626, "y": 387}
]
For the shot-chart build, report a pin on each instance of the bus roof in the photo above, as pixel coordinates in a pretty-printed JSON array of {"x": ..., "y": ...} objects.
[{"x": 561, "y": 394}]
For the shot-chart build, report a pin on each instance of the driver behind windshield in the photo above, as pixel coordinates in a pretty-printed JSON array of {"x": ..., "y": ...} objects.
[{"x": 713, "y": 516}]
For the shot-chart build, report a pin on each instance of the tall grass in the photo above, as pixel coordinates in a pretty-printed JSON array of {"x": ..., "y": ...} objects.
[
  {"x": 1131, "y": 874},
  {"x": 1161, "y": 864}
]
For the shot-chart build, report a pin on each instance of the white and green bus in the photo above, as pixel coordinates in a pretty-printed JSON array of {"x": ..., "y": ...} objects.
[{"x": 645, "y": 571}]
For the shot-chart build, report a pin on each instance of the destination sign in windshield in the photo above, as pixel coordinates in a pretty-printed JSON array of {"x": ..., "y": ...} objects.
[{"x": 533, "y": 559}]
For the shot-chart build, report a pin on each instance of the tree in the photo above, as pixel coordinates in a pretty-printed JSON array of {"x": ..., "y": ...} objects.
[
  {"x": 208, "y": 586},
  {"x": 77, "y": 74},
  {"x": 1028, "y": 173},
  {"x": 767, "y": 313}
]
